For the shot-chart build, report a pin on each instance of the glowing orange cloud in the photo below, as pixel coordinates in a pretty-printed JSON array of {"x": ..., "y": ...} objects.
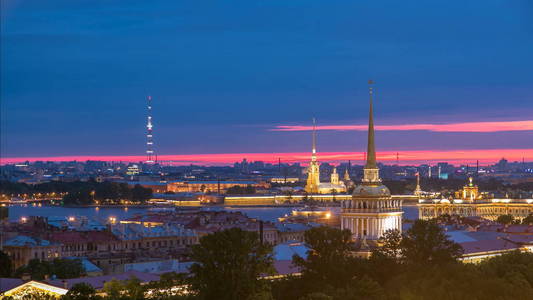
[
  {"x": 453, "y": 127},
  {"x": 406, "y": 157}
]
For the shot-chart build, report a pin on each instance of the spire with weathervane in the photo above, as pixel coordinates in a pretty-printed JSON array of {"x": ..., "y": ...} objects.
[
  {"x": 313, "y": 154},
  {"x": 371, "y": 170},
  {"x": 313, "y": 171}
]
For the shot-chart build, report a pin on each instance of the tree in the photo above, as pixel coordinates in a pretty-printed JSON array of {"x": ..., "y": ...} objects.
[
  {"x": 35, "y": 268},
  {"x": 140, "y": 194},
  {"x": 6, "y": 265},
  {"x": 239, "y": 190},
  {"x": 170, "y": 284},
  {"x": 505, "y": 219},
  {"x": 362, "y": 288},
  {"x": 80, "y": 291},
  {"x": 61, "y": 267},
  {"x": 113, "y": 289},
  {"x": 228, "y": 265},
  {"x": 516, "y": 265},
  {"x": 528, "y": 220},
  {"x": 78, "y": 197},
  {"x": 134, "y": 289},
  {"x": 389, "y": 245},
  {"x": 426, "y": 243},
  {"x": 329, "y": 249},
  {"x": 316, "y": 296},
  {"x": 66, "y": 268}
]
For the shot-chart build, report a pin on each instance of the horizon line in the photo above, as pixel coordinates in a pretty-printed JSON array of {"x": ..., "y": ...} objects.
[{"x": 461, "y": 156}]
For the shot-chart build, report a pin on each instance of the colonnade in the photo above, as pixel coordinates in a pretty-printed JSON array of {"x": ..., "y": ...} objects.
[{"x": 371, "y": 226}]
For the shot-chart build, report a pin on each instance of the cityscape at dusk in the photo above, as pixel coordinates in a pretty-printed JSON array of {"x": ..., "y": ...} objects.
[{"x": 266, "y": 150}]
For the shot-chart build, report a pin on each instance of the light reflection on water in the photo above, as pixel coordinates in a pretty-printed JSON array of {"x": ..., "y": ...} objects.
[{"x": 103, "y": 213}]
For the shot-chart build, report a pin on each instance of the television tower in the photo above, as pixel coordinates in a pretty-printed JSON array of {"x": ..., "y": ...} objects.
[{"x": 149, "y": 141}]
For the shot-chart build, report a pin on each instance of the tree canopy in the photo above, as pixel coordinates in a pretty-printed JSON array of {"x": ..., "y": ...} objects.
[{"x": 228, "y": 265}]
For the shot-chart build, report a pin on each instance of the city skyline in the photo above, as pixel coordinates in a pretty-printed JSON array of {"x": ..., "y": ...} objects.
[{"x": 222, "y": 91}]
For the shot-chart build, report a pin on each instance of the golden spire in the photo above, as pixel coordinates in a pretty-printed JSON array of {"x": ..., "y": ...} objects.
[
  {"x": 371, "y": 147},
  {"x": 313, "y": 156}
]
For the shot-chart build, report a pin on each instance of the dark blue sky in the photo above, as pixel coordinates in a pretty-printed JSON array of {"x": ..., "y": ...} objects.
[{"x": 74, "y": 74}]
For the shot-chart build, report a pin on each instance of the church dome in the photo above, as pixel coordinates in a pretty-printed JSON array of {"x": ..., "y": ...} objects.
[{"x": 371, "y": 191}]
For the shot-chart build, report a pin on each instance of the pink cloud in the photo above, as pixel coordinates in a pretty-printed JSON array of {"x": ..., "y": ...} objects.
[
  {"x": 452, "y": 127},
  {"x": 406, "y": 157}
]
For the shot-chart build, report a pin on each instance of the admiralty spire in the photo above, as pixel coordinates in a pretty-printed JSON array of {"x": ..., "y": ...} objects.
[{"x": 371, "y": 211}]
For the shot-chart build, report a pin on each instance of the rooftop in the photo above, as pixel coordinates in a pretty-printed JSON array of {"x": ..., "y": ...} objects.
[
  {"x": 26, "y": 241},
  {"x": 488, "y": 245},
  {"x": 98, "y": 282}
]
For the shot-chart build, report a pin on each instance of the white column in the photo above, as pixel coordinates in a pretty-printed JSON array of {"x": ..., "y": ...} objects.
[
  {"x": 369, "y": 228},
  {"x": 398, "y": 223},
  {"x": 372, "y": 228}
]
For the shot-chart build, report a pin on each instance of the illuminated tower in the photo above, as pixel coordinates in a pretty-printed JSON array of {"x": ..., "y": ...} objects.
[
  {"x": 150, "y": 156},
  {"x": 313, "y": 172},
  {"x": 371, "y": 211},
  {"x": 418, "y": 190},
  {"x": 335, "y": 177}
]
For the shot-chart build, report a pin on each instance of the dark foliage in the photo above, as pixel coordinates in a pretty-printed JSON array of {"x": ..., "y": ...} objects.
[
  {"x": 228, "y": 265},
  {"x": 62, "y": 268},
  {"x": 239, "y": 190}
]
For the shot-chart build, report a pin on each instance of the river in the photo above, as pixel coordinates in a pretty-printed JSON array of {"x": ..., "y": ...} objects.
[{"x": 16, "y": 212}]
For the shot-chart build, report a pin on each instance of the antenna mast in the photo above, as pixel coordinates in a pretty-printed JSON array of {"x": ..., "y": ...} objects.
[{"x": 149, "y": 141}]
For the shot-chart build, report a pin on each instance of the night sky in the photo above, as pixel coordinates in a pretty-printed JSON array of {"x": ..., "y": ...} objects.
[{"x": 224, "y": 74}]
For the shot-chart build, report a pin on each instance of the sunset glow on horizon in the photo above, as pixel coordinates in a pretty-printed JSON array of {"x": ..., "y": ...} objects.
[
  {"x": 405, "y": 157},
  {"x": 452, "y": 127}
]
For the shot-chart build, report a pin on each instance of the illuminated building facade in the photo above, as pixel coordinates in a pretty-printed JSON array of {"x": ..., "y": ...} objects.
[
  {"x": 211, "y": 186},
  {"x": 313, "y": 171},
  {"x": 371, "y": 211},
  {"x": 470, "y": 192},
  {"x": 313, "y": 184},
  {"x": 469, "y": 202},
  {"x": 23, "y": 248},
  {"x": 35, "y": 290}
]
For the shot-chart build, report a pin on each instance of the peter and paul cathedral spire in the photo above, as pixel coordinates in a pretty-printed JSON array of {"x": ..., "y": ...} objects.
[{"x": 313, "y": 171}]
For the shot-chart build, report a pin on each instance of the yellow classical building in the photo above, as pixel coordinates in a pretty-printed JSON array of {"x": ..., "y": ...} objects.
[
  {"x": 34, "y": 290},
  {"x": 469, "y": 202},
  {"x": 313, "y": 184}
]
